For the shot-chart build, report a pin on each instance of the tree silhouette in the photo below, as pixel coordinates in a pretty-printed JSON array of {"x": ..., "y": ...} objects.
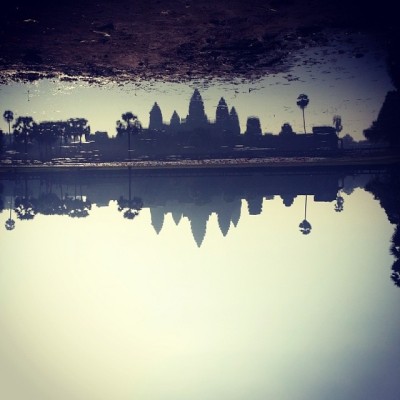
[
  {"x": 10, "y": 223},
  {"x": 339, "y": 202},
  {"x": 76, "y": 206},
  {"x": 25, "y": 207},
  {"x": 305, "y": 226},
  {"x": 337, "y": 122},
  {"x": 77, "y": 127},
  {"x": 302, "y": 102},
  {"x": 130, "y": 126},
  {"x": 47, "y": 133},
  {"x": 130, "y": 206},
  {"x": 24, "y": 129},
  {"x": 8, "y": 117}
]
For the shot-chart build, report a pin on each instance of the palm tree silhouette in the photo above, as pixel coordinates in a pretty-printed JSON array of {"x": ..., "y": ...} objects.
[
  {"x": 302, "y": 102},
  {"x": 305, "y": 226},
  {"x": 130, "y": 126},
  {"x": 339, "y": 202},
  {"x": 10, "y": 223},
  {"x": 24, "y": 128},
  {"x": 8, "y": 117},
  {"x": 130, "y": 206},
  {"x": 337, "y": 122}
]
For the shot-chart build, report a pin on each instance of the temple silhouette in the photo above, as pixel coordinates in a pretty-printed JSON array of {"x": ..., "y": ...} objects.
[
  {"x": 193, "y": 196},
  {"x": 194, "y": 136},
  {"x": 226, "y": 120}
]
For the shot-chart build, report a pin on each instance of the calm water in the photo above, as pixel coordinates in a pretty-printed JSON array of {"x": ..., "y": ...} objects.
[
  {"x": 348, "y": 78},
  {"x": 115, "y": 285}
]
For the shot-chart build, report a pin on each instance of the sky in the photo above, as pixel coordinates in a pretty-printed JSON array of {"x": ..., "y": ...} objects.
[{"x": 105, "y": 307}]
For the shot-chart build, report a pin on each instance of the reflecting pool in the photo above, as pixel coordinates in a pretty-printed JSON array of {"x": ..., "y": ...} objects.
[{"x": 218, "y": 284}]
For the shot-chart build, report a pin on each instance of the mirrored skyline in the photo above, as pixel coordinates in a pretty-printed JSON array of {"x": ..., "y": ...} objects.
[
  {"x": 111, "y": 306},
  {"x": 338, "y": 81}
]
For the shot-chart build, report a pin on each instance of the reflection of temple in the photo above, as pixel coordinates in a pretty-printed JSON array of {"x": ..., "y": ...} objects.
[
  {"x": 224, "y": 131},
  {"x": 225, "y": 120},
  {"x": 191, "y": 196}
]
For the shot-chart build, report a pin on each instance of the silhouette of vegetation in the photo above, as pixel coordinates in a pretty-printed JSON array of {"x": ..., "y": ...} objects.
[
  {"x": 25, "y": 207},
  {"x": 337, "y": 123},
  {"x": 305, "y": 226},
  {"x": 10, "y": 223},
  {"x": 130, "y": 206},
  {"x": 77, "y": 127},
  {"x": 339, "y": 204},
  {"x": 302, "y": 102},
  {"x": 192, "y": 137},
  {"x": 386, "y": 188},
  {"x": 24, "y": 129},
  {"x": 8, "y": 117},
  {"x": 130, "y": 125},
  {"x": 387, "y": 126}
]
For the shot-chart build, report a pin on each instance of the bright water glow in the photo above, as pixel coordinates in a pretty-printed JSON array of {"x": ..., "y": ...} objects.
[
  {"x": 337, "y": 83},
  {"x": 105, "y": 308}
]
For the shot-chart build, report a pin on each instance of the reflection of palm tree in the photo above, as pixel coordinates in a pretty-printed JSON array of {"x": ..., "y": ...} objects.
[
  {"x": 8, "y": 117},
  {"x": 302, "y": 102},
  {"x": 50, "y": 204},
  {"x": 339, "y": 203},
  {"x": 76, "y": 207},
  {"x": 305, "y": 226},
  {"x": 131, "y": 206},
  {"x": 337, "y": 122},
  {"x": 396, "y": 272},
  {"x": 130, "y": 126},
  {"x": 77, "y": 127},
  {"x": 10, "y": 223},
  {"x": 24, "y": 128},
  {"x": 25, "y": 207}
]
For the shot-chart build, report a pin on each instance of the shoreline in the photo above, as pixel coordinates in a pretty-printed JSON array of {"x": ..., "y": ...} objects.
[{"x": 229, "y": 163}]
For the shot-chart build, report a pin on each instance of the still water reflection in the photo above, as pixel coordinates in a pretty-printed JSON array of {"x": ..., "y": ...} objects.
[{"x": 253, "y": 285}]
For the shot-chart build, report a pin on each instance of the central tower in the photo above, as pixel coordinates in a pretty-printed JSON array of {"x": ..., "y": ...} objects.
[{"x": 196, "y": 117}]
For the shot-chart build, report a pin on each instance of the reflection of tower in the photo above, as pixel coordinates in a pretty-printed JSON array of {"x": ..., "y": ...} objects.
[
  {"x": 222, "y": 116},
  {"x": 234, "y": 122},
  {"x": 254, "y": 204},
  {"x": 236, "y": 212},
  {"x": 228, "y": 212},
  {"x": 175, "y": 120},
  {"x": 176, "y": 213},
  {"x": 253, "y": 126},
  {"x": 157, "y": 218},
  {"x": 156, "y": 121},
  {"x": 198, "y": 223},
  {"x": 196, "y": 117},
  {"x": 288, "y": 199}
]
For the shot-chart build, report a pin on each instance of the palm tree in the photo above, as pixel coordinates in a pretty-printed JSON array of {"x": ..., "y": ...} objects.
[
  {"x": 130, "y": 125},
  {"x": 339, "y": 203},
  {"x": 10, "y": 223},
  {"x": 302, "y": 102},
  {"x": 78, "y": 127},
  {"x": 337, "y": 122},
  {"x": 8, "y": 117},
  {"x": 132, "y": 206},
  {"x": 24, "y": 128},
  {"x": 305, "y": 226}
]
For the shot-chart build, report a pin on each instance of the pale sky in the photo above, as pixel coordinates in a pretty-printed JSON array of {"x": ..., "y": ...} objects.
[{"x": 103, "y": 307}]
